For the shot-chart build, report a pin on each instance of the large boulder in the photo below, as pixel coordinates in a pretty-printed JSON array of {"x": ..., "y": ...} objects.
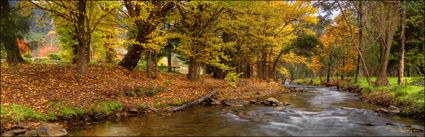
[
  {"x": 50, "y": 129},
  {"x": 273, "y": 102}
]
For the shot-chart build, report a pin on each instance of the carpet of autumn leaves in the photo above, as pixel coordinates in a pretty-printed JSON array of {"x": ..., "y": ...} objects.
[{"x": 35, "y": 85}]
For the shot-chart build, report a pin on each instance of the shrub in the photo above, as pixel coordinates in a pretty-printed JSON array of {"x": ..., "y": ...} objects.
[
  {"x": 232, "y": 78},
  {"x": 54, "y": 57}
]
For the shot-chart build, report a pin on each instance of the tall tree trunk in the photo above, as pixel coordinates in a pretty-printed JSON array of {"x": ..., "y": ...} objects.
[
  {"x": 194, "y": 70},
  {"x": 109, "y": 51},
  {"x": 10, "y": 42},
  {"x": 402, "y": 46},
  {"x": 13, "y": 55},
  {"x": 74, "y": 50},
  {"x": 169, "y": 63},
  {"x": 151, "y": 65},
  {"x": 81, "y": 64},
  {"x": 385, "y": 39},
  {"x": 328, "y": 74},
  {"x": 155, "y": 65},
  {"x": 360, "y": 17},
  {"x": 88, "y": 50}
]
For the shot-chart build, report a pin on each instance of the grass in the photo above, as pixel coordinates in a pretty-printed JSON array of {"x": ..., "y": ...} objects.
[
  {"x": 105, "y": 107},
  {"x": 18, "y": 113},
  {"x": 66, "y": 111},
  {"x": 405, "y": 94}
]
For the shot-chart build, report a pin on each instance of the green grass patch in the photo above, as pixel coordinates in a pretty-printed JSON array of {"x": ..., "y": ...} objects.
[
  {"x": 105, "y": 107},
  {"x": 66, "y": 111},
  {"x": 18, "y": 113},
  {"x": 407, "y": 94}
]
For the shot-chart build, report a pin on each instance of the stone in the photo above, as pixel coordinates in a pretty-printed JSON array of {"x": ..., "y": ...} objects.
[
  {"x": 253, "y": 101},
  {"x": 26, "y": 125},
  {"x": 279, "y": 108},
  {"x": 214, "y": 101},
  {"x": 50, "y": 129},
  {"x": 234, "y": 103},
  {"x": 394, "y": 111},
  {"x": 382, "y": 110},
  {"x": 7, "y": 134},
  {"x": 286, "y": 103},
  {"x": 415, "y": 128},
  {"x": 393, "y": 107},
  {"x": 31, "y": 133},
  {"x": 273, "y": 102},
  {"x": 133, "y": 110}
]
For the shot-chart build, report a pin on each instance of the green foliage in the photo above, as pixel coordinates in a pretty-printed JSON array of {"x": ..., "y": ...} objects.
[
  {"x": 65, "y": 110},
  {"x": 19, "y": 113},
  {"x": 143, "y": 106},
  {"x": 54, "y": 57},
  {"x": 305, "y": 45},
  {"x": 232, "y": 78},
  {"x": 105, "y": 107}
]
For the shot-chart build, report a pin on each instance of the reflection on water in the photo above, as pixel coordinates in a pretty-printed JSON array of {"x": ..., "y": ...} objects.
[{"x": 321, "y": 112}]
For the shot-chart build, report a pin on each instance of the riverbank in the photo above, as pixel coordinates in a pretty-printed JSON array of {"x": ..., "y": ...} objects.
[
  {"x": 409, "y": 98},
  {"x": 57, "y": 93}
]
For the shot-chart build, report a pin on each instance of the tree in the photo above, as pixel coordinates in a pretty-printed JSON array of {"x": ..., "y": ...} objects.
[
  {"x": 147, "y": 17},
  {"x": 402, "y": 45},
  {"x": 83, "y": 18},
  {"x": 385, "y": 18},
  {"x": 12, "y": 25},
  {"x": 197, "y": 26},
  {"x": 355, "y": 44}
]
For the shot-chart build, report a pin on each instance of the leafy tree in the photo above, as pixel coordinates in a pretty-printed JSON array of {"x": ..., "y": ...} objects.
[{"x": 13, "y": 24}]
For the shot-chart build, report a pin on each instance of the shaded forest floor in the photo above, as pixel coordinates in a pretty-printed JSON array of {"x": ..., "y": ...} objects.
[{"x": 49, "y": 92}]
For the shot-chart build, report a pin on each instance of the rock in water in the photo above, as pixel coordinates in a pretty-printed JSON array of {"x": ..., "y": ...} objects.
[
  {"x": 382, "y": 110},
  {"x": 7, "y": 134},
  {"x": 234, "y": 103},
  {"x": 31, "y": 133},
  {"x": 26, "y": 125},
  {"x": 50, "y": 129},
  {"x": 14, "y": 132},
  {"x": 133, "y": 110},
  {"x": 273, "y": 102}
]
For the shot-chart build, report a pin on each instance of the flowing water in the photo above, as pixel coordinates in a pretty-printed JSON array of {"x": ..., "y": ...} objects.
[{"x": 319, "y": 112}]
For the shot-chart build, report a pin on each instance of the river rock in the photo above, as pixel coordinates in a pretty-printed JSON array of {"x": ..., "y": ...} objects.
[
  {"x": 394, "y": 109},
  {"x": 31, "y": 133},
  {"x": 215, "y": 102},
  {"x": 278, "y": 108},
  {"x": 26, "y": 125},
  {"x": 415, "y": 128},
  {"x": 253, "y": 101},
  {"x": 50, "y": 129},
  {"x": 7, "y": 134},
  {"x": 14, "y": 132},
  {"x": 273, "y": 102},
  {"x": 382, "y": 110},
  {"x": 133, "y": 110},
  {"x": 234, "y": 103}
]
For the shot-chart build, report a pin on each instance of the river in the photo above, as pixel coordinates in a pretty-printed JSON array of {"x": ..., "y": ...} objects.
[{"x": 319, "y": 112}]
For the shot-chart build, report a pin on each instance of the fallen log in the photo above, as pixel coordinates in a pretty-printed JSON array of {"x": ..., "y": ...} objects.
[{"x": 195, "y": 102}]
